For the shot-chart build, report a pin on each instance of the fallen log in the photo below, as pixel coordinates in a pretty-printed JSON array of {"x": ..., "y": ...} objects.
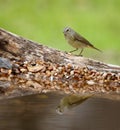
[{"x": 27, "y": 67}]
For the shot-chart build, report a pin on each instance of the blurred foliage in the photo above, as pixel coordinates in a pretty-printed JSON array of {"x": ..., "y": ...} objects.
[{"x": 44, "y": 20}]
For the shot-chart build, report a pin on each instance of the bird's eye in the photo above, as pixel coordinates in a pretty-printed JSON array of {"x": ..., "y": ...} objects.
[{"x": 67, "y": 30}]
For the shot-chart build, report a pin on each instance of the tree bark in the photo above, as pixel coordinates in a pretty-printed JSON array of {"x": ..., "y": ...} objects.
[{"x": 27, "y": 67}]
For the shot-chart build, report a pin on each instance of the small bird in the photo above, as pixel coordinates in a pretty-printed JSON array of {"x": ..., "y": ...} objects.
[{"x": 76, "y": 40}]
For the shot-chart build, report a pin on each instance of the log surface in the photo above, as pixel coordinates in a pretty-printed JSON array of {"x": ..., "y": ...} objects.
[{"x": 27, "y": 67}]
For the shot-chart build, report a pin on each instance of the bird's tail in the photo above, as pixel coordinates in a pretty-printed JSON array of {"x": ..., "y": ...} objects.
[{"x": 96, "y": 48}]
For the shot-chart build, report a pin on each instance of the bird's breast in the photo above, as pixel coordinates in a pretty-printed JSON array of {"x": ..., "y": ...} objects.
[{"x": 75, "y": 44}]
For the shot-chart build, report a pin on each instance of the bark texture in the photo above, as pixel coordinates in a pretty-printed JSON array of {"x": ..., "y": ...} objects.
[{"x": 27, "y": 67}]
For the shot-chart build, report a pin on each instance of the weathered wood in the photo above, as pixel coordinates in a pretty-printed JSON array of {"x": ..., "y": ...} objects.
[{"x": 37, "y": 68}]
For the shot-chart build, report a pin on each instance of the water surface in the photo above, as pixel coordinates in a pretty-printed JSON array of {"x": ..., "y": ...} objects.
[{"x": 38, "y": 112}]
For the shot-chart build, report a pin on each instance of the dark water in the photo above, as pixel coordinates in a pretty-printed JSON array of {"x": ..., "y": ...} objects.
[{"x": 38, "y": 112}]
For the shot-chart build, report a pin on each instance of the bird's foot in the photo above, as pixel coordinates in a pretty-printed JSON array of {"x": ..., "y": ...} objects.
[{"x": 79, "y": 55}]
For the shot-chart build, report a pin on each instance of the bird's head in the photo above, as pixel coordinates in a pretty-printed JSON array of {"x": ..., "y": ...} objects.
[{"x": 68, "y": 32}]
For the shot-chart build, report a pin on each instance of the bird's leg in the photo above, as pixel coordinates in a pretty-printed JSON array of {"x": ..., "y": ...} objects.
[
  {"x": 74, "y": 50},
  {"x": 81, "y": 52}
]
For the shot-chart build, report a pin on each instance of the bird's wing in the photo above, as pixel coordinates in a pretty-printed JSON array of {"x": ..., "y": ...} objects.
[{"x": 78, "y": 37}]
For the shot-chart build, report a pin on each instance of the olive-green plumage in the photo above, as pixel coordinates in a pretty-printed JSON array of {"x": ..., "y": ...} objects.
[{"x": 76, "y": 40}]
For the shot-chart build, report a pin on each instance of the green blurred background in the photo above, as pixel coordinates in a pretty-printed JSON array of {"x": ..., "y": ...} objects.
[{"x": 44, "y": 20}]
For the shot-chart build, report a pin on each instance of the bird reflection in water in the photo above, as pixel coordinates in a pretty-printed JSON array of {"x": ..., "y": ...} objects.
[{"x": 70, "y": 101}]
